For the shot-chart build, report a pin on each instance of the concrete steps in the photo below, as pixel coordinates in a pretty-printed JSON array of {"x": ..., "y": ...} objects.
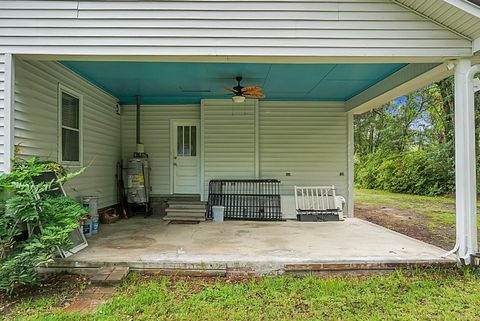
[
  {"x": 185, "y": 210},
  {"x": 186, "y": 207}
]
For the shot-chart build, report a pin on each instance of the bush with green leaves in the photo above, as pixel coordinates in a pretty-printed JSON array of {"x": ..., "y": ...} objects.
[
  {"x": 50, "y": 220},
  {"x": 421, "y": 172}
]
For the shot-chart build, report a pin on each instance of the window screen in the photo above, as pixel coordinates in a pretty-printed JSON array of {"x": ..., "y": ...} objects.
[
  {"x": 70, "y": 128},
  {"x": 187, "y": 141}
]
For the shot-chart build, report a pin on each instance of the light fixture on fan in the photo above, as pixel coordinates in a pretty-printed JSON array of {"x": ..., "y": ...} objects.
[
  {"x": 238, "y": 99},
  {"x": 241, "y": 93}
]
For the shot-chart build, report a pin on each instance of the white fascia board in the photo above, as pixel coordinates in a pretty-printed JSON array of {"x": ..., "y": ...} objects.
[
  {"x": 465, "y": 6},
  {"x": 476, "y": 46},
  {"x": 243, "y": 59},
  {"x": 402, "y": 82}
]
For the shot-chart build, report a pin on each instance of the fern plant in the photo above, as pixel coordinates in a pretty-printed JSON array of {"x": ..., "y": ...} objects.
[{"x": 49, "y": 219}]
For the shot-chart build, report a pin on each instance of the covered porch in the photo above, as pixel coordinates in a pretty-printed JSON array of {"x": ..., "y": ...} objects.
[{"x": 301, "y": 134}]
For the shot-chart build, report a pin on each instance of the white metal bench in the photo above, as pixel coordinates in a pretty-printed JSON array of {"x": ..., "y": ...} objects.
[{"x": 318, "y": 203}]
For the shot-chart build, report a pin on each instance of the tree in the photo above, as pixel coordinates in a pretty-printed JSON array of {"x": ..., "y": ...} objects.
[{"x": 412, "y": 136}]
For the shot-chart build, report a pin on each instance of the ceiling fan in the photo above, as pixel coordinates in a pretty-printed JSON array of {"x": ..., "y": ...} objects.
[{"x": 241, "y": 92}]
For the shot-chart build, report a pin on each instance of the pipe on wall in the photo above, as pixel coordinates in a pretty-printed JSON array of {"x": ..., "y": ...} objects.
[{"x": 139, "y": 101}]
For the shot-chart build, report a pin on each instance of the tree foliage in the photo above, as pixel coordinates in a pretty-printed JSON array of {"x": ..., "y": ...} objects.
[
  {"x": 407, "y": 145},
  {"x": 50, "y": 219}
]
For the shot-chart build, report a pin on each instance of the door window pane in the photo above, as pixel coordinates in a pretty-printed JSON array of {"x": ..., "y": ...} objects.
[
  {"x": 180, "y": 140},
  {"x": 193, "y": 150},
  {"x": 186, "y": 143}
]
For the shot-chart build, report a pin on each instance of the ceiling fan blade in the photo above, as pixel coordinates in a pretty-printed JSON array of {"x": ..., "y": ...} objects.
[
  {"x": 230, "y": 89},
  {"x": 255, "y": 94},
  {"x": 251, "y": 92},
  {"x": 251, "y": 88}
]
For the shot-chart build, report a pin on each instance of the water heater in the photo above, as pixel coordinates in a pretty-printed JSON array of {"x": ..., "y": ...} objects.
[{"x": 138, "y": 180}]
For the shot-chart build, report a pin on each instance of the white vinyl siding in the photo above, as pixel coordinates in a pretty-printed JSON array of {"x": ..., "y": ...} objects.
[
  {"x": 228, "y": 139},
  {"x": 308, "y": 140},
  {"x": 36, "y": 126},
  {"x": 3, "y": 138},
  {"x": 299, "y": 143},
  {"x": 155, "y": 135},
  {"x": 224, "y": 28}
]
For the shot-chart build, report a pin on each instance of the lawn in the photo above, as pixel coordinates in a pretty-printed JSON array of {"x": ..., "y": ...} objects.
[
  {"x": 440, "y": 209},
  {"x": 417, "y": 295}
]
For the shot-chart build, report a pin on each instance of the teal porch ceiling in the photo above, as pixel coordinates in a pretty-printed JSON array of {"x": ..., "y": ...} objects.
[{"x": 185, "y": 83}]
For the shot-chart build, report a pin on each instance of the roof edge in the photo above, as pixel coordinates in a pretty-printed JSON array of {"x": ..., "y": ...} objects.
[
  {"x": 469, "y": 6},
  {"x": 433, "y": 20}
]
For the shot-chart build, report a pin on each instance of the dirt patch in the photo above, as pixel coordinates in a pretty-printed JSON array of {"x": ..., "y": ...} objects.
[
  {"x": 408, "y": 223},
  {"x": 68, "y": 286}
]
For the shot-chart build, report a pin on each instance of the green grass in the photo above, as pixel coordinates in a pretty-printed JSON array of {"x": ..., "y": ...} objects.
[
  {"x": 418, "y": 295},
  {"x": 37, "y": 307},
  {"x": 441, "y": 210}
]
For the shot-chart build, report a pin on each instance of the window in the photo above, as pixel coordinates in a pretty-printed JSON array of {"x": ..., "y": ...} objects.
[
  {"x": 186, "y": 140},
  {"x": 70, "y": 107}
]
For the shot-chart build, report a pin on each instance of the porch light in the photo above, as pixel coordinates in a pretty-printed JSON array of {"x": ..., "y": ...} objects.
[
  {"x": 476, "y": 85},
  {"x": 238, "y": 99}
]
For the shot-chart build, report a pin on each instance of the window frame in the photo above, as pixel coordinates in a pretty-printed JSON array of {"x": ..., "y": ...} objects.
[{"x": 64, "y": 89}]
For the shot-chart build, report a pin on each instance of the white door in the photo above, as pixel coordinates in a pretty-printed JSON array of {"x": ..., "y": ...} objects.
[{"x": 186, "y": 157}]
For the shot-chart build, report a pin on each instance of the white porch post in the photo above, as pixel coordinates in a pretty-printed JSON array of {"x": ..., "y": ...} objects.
[
  {"x": 350, "y": 164},
  {"x": 465, "y": 173},
  {"x": 9, "y": 108}
]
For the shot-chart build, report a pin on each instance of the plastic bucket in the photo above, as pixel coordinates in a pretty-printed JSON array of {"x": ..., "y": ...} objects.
[
  {"x": 218, "y": 212},
  {"x": 91, "y": 202},
  {"x": 95, "y": 219},
  {"x": 87, "y": 227}
]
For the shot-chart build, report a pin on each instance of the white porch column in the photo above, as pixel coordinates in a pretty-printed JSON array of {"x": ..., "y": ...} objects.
[
  {"x": 9, "y": 107},
  {"x": 465, "y": 174},
  {"x": 350, "y": 165}
]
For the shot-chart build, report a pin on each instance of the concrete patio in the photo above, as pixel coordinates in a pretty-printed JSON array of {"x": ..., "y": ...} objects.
[{"x": 258, "y": 247}]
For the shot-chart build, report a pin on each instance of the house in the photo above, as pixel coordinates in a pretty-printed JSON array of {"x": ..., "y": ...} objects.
[{"x": 70, "y": 72}]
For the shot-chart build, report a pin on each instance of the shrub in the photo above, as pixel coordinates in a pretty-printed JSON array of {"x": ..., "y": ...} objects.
[
  {"x": 421, "y": 172},
  {"x": 49, "y": 219}
]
